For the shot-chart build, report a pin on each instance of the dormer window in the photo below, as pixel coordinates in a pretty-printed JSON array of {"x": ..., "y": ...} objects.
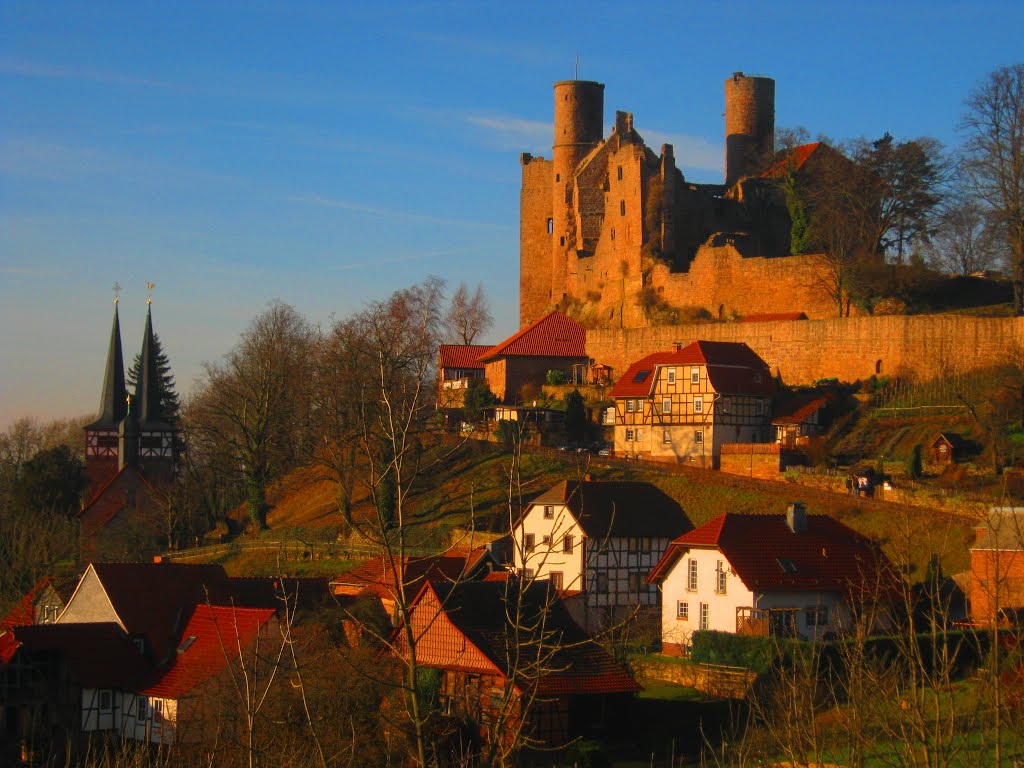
[{"x": 787, "y": 565}]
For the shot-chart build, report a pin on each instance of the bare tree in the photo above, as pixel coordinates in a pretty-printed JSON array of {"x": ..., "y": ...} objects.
[
  {"x": 254, "y": 406},
  {"x": 468, "y": 316},
  {"x": 994, "y": 159},
  {"x": 964, "y": 239}
]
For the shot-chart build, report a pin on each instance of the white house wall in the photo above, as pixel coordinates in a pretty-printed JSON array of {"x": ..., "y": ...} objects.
[
  {"x": 721, "y": 606},
  {"x": 158, "y": 727},
  {"x": 547, "y": 558}
]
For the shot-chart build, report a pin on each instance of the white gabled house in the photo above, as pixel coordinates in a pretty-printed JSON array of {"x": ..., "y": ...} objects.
[
  {"x": 794, "y": 575},
  {"x": 598, "y": 540}
]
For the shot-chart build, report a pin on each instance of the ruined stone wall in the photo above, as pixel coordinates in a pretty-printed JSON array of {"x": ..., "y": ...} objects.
[
  {"x": 534, "y": 239},
  {"x": 849, "y": 349}
]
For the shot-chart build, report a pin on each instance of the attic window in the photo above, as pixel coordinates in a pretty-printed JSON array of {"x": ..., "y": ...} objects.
[
  {"x": 641, "y": 377},
  {"x": 786, "y": 565},
  {"x": 186, "y": 643}
]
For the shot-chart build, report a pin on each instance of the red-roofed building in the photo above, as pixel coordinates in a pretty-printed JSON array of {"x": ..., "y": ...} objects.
[
  {"x": 42, "y": 604},
  {"x": 457, "y": 366},
  {"x": 555, "y": 342},
  {"x": 795, "y": 575},
  {"x": 798, "y": 418},
  {"x": 681, "y": 406},
  {"x": 123, "y": 519},
  {"x": 514, "y": 661}
]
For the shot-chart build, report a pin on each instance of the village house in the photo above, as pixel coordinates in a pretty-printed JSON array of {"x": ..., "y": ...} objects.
[
  {"x": 552, "y": 343},
  {"x": 595, "y": 542},
  {"x": 457, "y": 367},
  {"x": 682, "y": 406},
  {"x": 514, "y": 663},
  {"x": 996, "y": 585},
  {"x": 794, "y": 575},
  {"x": 798, "y": 418}
]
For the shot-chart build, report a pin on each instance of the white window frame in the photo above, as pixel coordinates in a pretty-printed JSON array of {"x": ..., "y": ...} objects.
[
  {"x": 691, "y": 575},
  {"x": 704, "y": 615},
  {"x": 639, "y": 435},
  {"x": 549, "y": 511},
  {"x": 698, "y": 437},
  {"x": 666, "y": 405},
  {"x": 698, "y": 405},
  {"x": 666, "y": 438},
  {"x": 720, "y": 578},
  {"x": 671, "y": 375},
  {"x": 682, "y": 610},
  {"x": 629, "y": 435},
  {"x": 695, "y": 375},
  {"x": 629, "y": 405}
]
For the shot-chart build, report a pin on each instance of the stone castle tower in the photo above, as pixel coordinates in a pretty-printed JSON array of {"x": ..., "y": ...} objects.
[{"x": 604, "y": 214}]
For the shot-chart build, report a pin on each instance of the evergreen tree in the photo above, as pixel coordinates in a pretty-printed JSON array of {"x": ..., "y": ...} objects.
[
  {"x": 170, "y": 405},
  {"x": 575, "y": 417}
]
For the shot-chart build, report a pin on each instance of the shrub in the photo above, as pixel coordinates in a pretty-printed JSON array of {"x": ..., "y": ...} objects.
[
  {"x": 556, "y": 377},
  {"x": 914, "y": 463},
  {"x": 711, "y": 647},
  {"x": 508, "y": 431}
]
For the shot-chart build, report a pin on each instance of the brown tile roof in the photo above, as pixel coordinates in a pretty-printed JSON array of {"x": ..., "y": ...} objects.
[
  {"x": 375, "y": 577},
  {"x": 554, "y": 335},
  {"x": 733, "y": 367},
  {"x": 99, "y": 655},
  {"x": 618, "y": 508},
  {"x": 461, "y": 355},
  {"x": 793, "y": 159},
  {"x": 828, "y": 556},
  {"x": 570, "y": 661},
  {"x": 772, "y": 317},
  {"x": 209, "y": 642}
]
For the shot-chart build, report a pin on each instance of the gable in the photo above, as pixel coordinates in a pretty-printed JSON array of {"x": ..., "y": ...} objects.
[
  {"x": 441, "y": 643},
  {"x": 89, "y": 603}
]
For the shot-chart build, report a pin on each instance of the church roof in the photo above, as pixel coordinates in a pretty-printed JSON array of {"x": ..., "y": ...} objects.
[
  {"x": 113, "y": 398},
  {"x": 148, "y": 388}
]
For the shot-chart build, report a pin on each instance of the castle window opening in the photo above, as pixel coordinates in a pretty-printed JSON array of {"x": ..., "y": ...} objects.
[
  {"x": 622, "y": 207},
  {"x": 551, "y": 226},
  {"x": 561, "y": 241},
  {"x": 613, "y": 233},
  {"x": 878, "y": 366},
  {"x": 620, "y": 173},
  {"x": 558, "y": 177}
]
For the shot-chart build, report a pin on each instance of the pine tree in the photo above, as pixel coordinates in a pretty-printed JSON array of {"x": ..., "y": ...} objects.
[{"x": 170, "y": 405}]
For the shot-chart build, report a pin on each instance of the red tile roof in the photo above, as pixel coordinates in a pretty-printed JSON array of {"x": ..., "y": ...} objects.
[
  {"x": 553, "y": 335},
  {"x": 571, "y": 662},
  {"x": 375, "y": 577},
  {"x": 218, "y": 632},
  {"x": 461, "y": 355},
  {"x": 604, "y": 508},
  {"x": 733, "y": 368},
  {"x": 797, "y": 410},
  {"x": 772, "y": 317},
  {"x": 827, "y": 556},
  {"x": 793, "y": 159}
]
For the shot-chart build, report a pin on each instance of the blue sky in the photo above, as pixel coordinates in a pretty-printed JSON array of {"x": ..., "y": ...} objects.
[{"x": 327, "y": 154}]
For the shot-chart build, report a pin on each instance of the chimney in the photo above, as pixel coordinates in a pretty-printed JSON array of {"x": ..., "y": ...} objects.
[
  {"x": 676, "y": 346},
  {"x": 796, "y": 517}
]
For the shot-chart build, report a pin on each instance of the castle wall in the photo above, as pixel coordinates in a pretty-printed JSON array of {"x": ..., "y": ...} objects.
[
  {"x": 535, "y": 239},
  {"x": 849, "y": 349}
]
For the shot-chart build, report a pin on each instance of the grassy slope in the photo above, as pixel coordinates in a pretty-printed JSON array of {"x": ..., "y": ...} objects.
[{"x": 474, "y": 477}]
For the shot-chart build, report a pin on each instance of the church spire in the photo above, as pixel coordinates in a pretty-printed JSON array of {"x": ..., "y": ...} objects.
[
  {"x": 114, "y": 397},
  {"x": 147, "y": 391}
]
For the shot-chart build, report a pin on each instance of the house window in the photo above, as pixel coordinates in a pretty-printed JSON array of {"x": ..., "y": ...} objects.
[
  {"x": 698, "y": 437},
  {"x": 672, "y": 376},
  {"x": 629, "y": 406},
  {"x": 527, "y": 573},
  {"x": 695, "y": 375},
  {"x": 698, "y": 405},
  {"x": 703, "y": 615},
  {"x": 545, "y": 541},
  {"x": 629, "y": 435},
  {"x": 549, "y": 511},
  {"x": 158, "y": 708},
  {"x": 140, "y": 709},
  {"x": 682, "y": 610},
  {"x": 530, "y": 543},
  {"x": 601, "y": 582},
  {"x": 106, "y": 701},
  {"x": 622, "y": 207},
  {"x": 720, "y": 578},
  {"x": 666, "y": 405},
  {"x": 726, "y": 405},
  {"x": 817, "y": 616},
  {"x": 556, "y": 579},
  {"x": 634, "y": 580},
  {"x": 638, "y": 435},
  {"x": 632, "y": 545},
  {"x": 691, "y": 582},
  {"x": 759, "y": 407},
  {"x": 567, "y": 545},
  {"x": 666, "y": 437},
  {"x": 551, "y": 226}
]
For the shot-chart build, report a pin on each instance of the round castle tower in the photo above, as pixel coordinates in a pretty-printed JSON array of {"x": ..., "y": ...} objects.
[
  {"x": 749, "y": 125},
  {"x": 579, "y": 127}
]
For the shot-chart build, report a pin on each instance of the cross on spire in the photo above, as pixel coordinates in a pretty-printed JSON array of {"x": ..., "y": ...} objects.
[{"x": 149, "y": 295}]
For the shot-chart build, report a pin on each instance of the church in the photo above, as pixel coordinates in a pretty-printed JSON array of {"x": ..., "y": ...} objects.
[{"x": 130, "y": 456}]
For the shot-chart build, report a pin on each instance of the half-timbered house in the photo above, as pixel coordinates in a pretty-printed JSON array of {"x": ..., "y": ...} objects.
[
  {"x": 599, "y": 539},
  {"x": 683, "y": 405}
]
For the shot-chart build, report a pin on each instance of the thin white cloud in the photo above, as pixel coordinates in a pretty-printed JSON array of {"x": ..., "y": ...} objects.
[
  {"x": 389, "y": 213},
  {"x": 27, "y": 272},
  {"x": 508, "y": 132},
  {"x": 40, "y": 70}
]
